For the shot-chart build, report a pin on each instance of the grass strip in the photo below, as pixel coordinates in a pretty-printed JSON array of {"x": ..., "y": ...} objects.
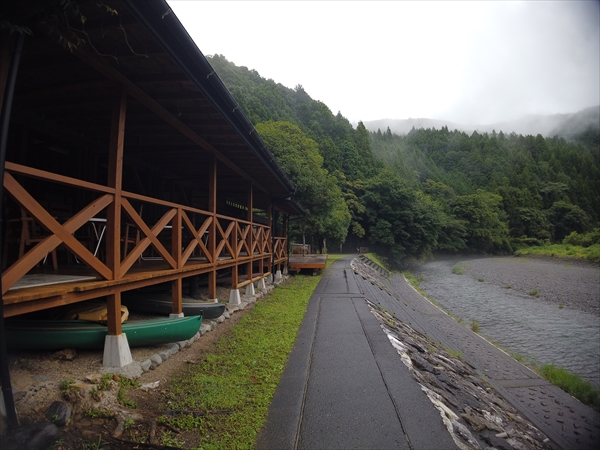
[
  {"x": 572, "y": 384},
  {"x": 563, "y": 251},
  {"x": 379, "y": 260},
  {"x": 240, "y": 376}
]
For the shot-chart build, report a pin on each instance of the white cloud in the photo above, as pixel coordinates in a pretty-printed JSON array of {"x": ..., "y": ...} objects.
[{"x": 462, "y": 61}]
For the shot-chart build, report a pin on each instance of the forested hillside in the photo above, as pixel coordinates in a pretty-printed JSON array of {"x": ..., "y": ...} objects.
[{"x": 430, "y": 190}]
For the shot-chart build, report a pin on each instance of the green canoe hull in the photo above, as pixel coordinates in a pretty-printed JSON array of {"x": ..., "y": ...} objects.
[
  {"x": 79, "y": 334},
  {"x": 158, "y": 304}
]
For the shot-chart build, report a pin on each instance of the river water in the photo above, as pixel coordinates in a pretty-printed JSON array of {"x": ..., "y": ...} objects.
[{"x": 519, "y": 323}]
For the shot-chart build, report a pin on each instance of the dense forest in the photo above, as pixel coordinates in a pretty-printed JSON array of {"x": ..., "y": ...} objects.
[{"x": 407, "y": 196}]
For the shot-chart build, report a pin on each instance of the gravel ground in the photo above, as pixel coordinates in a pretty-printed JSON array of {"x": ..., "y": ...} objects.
[{"x": 575, "y": 284}]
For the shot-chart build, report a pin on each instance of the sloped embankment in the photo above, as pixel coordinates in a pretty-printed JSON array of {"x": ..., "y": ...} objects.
[{"x": 476, "y": 387}]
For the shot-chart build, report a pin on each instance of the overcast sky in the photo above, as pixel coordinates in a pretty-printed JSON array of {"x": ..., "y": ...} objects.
[{"x": 467, "y": 62}]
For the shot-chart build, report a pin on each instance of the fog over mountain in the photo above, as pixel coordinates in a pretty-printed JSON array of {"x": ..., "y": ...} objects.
[{"x": 565, "y": 125}]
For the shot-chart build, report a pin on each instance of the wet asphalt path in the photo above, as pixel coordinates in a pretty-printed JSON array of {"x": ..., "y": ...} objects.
[{"x": 344, "y": 385}]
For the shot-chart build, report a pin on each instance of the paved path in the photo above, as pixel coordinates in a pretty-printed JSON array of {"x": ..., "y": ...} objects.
[{"x": 344, "y": 385}]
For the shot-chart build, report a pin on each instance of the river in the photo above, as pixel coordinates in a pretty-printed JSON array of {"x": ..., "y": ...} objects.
[{"x": 538, "y": 329}]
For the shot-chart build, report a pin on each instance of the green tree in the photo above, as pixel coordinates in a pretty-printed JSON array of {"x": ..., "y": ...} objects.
[
  {"x": 317, "y": 190},
  {"x": 400, "y": 223},
  {"x": 564, "y": 218},
  {"x": 481, "y": 213}
]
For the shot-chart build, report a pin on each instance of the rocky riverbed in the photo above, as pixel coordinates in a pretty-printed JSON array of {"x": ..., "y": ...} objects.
[
  {"x": 542, "y": 311},
  {"x": 573, "y": 284}
]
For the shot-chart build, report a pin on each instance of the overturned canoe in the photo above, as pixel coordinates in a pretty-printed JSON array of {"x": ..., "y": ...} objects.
[
  {"x": 155, "y": 304},
  {"x": 80, "y": 334}
]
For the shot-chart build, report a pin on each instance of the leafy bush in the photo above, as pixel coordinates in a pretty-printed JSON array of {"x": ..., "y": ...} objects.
[
  {"x": 524, "y": 241},
  {"x": 458, "y": 270},
  {"x": 584, "y": 239}
]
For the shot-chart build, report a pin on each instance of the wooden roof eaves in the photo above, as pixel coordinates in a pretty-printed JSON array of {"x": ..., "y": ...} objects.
[
  {"x": 160, "y": 20},
  {"x": 137, "y": 93}
]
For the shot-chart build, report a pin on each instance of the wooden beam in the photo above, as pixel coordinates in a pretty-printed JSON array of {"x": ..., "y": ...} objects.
[
  {"x": 176, "y": 295},
  {"x": 136, "y": 92},
  {"x": 61, "y": 233},
  {"x": 115, "y": 181},
  {"x": 176, "y": 238},
  {"x": 113, "y": 314},
  {"x": 113, "y": 213}
]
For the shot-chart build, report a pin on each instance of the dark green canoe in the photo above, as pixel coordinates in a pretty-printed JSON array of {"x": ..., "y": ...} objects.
[
  {"x": 162, "y": 304},
  {"x": 60, "y": 334}
]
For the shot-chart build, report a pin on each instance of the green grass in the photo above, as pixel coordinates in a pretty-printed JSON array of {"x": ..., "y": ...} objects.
[
  {"x": 333, "y": 258},
  {"x": 563, "y": 251},
  {"x": 458, "y": 270},
  {"x": 571, "y": 384},
  {"x": 414, "y": 281},
  {"x": 376, "y": 259},
  {"x": 238, "y": 379}
]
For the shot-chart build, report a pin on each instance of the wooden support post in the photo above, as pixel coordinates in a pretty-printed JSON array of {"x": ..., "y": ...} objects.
[
  {"x": 234, "y": 269},
  {"x": 212, "y": 229},
  {"x": 176, "y": 285},
  {"x": 113, "y": 313},
  {"x": 115, "y": 180},
  {"x": 113, "y": 213},
  {"x": 251, "y": 232},
  {"x": 234, "y": 277},
  {"x": 176, "y": 238},
  {"x": 212, "y": 285},
  {"x": 176, "y": 295},
  {"x": 285, "y": 235},
  {"x": 272, "y": 225}
]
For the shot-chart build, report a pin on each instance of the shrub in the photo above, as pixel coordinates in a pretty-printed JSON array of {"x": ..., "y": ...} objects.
[{"x": 584, "y": 239}]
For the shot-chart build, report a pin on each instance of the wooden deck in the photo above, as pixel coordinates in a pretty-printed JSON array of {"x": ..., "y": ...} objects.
[
  {"x": 299, "y": 262},
  {"x": 42, "y": 289}
]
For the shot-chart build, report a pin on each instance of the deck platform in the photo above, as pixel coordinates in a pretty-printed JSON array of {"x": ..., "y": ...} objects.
[{"x": 299, "y": 262}]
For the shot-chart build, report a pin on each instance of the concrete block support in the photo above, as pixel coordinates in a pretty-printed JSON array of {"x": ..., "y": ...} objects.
[
  {"x": 278, "y": 275},
  {"x": 213, "y": 300},
  {"x": 234, "y": 297},
  {"x": 270, "y": 278},
  {"x": 116, "y": 351},
  {"x": 175, "y": 316},
  {"x": 250, "y": 289},
  {"x": 260, "y": 284}
]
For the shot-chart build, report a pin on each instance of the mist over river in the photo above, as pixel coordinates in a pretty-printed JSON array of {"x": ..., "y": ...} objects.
[{"x": 560, "y": 326}]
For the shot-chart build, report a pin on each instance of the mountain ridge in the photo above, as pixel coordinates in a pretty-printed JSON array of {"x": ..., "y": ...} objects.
[{"x": 564, "y": 125}]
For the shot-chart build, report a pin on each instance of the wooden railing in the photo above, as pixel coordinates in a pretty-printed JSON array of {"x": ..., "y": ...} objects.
[
  {"x": 179, "y": 236},
  {"x": 280, "y": 250}
]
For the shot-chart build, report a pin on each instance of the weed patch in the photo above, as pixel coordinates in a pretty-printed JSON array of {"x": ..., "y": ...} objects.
[
  {"x": 241, "y": 374},
  {"x": 564, "y": 251},
  {"x": 572, "y": 384},
  {"x": 458, "y": 270}
]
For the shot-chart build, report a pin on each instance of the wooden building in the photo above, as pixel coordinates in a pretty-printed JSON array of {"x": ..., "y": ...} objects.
[{"x": 129, "y": 164}]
